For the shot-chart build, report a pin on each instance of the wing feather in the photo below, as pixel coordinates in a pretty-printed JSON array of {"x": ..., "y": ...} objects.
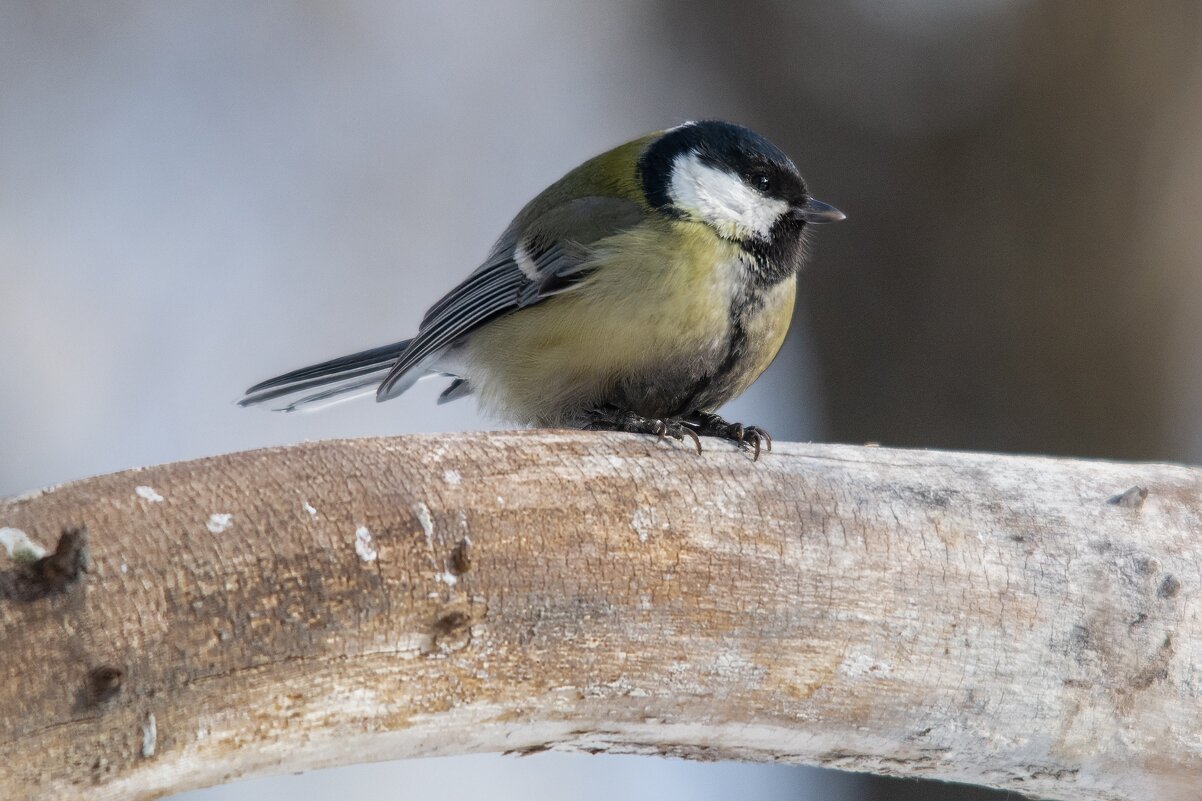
[{"x": 528, "y": 264}]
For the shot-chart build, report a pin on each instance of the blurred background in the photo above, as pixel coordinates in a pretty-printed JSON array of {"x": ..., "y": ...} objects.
[{"x": 195, "y": 196}]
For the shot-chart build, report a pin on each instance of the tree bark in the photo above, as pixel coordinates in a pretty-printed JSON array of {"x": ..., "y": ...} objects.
[{"x": 1023, "y": 623}]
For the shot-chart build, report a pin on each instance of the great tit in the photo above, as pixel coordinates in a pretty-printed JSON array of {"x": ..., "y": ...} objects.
[{"x": 638, "y": 293}]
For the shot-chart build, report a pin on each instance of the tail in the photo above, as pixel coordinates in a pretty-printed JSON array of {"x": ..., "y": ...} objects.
[{"x": 358, "y": 373}]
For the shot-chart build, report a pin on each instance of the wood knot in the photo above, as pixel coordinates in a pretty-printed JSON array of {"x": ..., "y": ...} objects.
[
  {"x": 452, "y": 628},
  {"x": 104, "y": 682},
  {"x": 1169, "y": 587},
  {"x": 51, "y": 574},
  {"x": 461, "y": 557},
  {"x": 57, "y": 571},
  {"x": 1131, "y": 499}
]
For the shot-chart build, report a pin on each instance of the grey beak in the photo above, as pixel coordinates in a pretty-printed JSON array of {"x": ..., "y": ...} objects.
[{"x": 815, "y": 211}]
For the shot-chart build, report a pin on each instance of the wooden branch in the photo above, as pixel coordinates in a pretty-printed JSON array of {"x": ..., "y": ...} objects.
[{"x": 1024, "y": 623}]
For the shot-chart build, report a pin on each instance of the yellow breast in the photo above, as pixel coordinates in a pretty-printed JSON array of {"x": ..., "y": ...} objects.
[{"x": 658, "y": 295}]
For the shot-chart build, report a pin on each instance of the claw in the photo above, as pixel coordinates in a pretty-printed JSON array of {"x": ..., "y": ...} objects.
[
  {"x": 610, "y": 419},
  {"x": 709, "y": 424},
  {"x": 693, "y": 434},
  {"x": 759, "y": 436}
]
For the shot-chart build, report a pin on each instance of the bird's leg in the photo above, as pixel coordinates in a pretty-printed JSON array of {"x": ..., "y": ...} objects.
[
  {"x": 609, "y": 418},
  {"x": 708, "y": 424}
]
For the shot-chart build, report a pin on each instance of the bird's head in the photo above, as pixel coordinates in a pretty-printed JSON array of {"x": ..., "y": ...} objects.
[{"x": 735, "y": 181}]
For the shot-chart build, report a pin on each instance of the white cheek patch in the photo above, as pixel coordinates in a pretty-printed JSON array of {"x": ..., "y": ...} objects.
[{"x": 721, "y": 199}]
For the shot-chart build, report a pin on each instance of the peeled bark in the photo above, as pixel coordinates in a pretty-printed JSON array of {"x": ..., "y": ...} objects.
[{"x": 1024, "y": 623}]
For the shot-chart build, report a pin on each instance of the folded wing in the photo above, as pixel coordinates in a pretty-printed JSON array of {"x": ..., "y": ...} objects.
[{"x": 529, "y": 264}]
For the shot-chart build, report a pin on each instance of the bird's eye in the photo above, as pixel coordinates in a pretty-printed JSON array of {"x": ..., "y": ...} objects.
[{"x": 761, "y": 182}]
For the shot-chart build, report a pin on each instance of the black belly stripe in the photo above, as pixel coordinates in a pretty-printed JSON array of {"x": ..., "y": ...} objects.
[{"x": 740, "y": 309}]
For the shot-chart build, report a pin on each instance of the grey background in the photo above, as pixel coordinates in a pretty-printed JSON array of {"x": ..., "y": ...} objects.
[{"x": 197, "y": 196}]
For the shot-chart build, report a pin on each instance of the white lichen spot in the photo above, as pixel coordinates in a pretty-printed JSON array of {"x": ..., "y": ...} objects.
[
  {"x": 219, "y": 522},
  {"x": 148, "y": 493},
  {"x": 448, "y": 578},
  {"x": 427, "y": 523},
  {"x": 308, "y": 507},
  {"x": 500, "y": 501},
  {"x": 124, "y": 568},
  {"x": 150, "y": 736},
  {"x": 452, "y": 477},
  {"x": 19, "y": 547},
  {"x": 643, "y": 522},
  {"x": 363, "y": 546}
]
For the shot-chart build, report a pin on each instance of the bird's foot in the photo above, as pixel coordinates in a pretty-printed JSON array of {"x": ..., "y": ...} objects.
[
  {"x": 609, "y": 419},
  {"x": 711, "y": 425}
]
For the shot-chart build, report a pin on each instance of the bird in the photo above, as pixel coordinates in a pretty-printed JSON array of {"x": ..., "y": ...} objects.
[{"x": 638, "y": 293}]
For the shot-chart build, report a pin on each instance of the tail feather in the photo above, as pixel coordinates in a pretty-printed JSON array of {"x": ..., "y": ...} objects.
[
  {"x": 347, "y": 373},
  {"x": 376, "y": 357},
  {"x": 336, "y": 394}
]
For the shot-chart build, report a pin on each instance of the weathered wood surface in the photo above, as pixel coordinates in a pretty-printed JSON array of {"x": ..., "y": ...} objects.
[{"x": 981, "y": 618}]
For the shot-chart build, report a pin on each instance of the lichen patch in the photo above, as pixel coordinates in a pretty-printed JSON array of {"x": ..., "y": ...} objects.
[
  {"x": 150, "y": 736},
  {"x": 148, "y": 493},
  {"x": 19, "y": 547},
  {"x": 426, "y": 522},
  {"x": 364, "y": 546}
]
